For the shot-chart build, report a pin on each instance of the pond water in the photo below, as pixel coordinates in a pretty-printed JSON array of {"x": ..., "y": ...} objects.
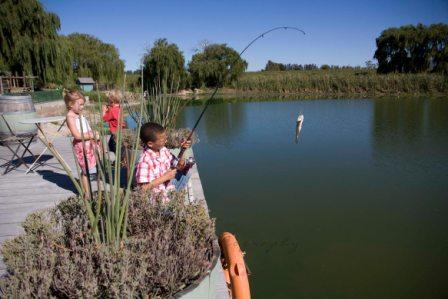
[{"x": 358, "y": 208}]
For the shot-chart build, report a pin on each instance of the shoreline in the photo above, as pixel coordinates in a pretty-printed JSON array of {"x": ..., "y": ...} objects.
[
  {"x": 56, "y": 107},
  {"x": 227, "y": 94}
]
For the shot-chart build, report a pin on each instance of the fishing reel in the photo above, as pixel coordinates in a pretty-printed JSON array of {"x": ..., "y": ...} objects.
[{"x": 188, "y": 164}]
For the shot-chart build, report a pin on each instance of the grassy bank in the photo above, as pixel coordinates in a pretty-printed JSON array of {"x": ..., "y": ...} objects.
[{"x": 337, "y": 83}]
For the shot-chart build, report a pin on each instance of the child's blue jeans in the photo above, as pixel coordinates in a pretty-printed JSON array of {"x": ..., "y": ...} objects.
[{"x": 181, "y": 180}]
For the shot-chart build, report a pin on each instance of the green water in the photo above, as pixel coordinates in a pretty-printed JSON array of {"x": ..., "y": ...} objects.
[{"x": 358, "y": 208}]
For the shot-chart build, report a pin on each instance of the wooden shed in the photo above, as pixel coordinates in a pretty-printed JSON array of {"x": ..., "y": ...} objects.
[{"x": 85, "y": 83}]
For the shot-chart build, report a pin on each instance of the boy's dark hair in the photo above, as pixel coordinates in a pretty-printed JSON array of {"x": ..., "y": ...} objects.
[{"x": 149, "y": 132}]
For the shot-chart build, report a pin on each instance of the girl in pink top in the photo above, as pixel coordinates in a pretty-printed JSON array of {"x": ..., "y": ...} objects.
[{"x": 78, "y": 124}]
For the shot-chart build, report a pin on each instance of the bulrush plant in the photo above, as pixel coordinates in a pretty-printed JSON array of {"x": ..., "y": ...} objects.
[
  {"x": 107, "y": 208},
  {"x": 162, "y": 106},
  {"x": 112, "y": 202},
  {"x": 175, "y": 137}
]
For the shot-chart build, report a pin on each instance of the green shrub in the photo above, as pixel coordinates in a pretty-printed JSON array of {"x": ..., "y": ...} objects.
[
  {"x": 168, "y": 247},
  {"x": 95, "y": 96},
  {"x": 47, "y": 95}
]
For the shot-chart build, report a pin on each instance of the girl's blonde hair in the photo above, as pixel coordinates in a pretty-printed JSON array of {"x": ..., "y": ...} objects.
[
  {"x": 115, "y": 96},
  {"x": 71, "y": 97}
]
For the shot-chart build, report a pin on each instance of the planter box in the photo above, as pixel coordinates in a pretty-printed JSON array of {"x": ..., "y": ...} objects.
[{"x": 207, "y": 286}]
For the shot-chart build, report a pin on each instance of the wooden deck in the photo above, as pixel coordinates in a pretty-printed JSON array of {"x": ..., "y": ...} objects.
[{"x": 21, "y": 194}]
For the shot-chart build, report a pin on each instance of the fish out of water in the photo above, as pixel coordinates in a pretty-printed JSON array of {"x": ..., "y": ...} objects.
[{"x": 299, "y": 126}]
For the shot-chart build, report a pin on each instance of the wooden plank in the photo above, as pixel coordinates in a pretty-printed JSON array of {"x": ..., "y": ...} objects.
[
  {"x": 7, "y": 211},
  {"x": 17, "y": 185},
  {"x": 8, "y": 229},
  {"x": 30, "y": 192},
  {"x": 26, "y": 181},
  {"x": 56, "y": 180},
  {"x": 37, "y": 198},
  {"x": 18, "y": 213},
  {"x": 18, "y": 207}
]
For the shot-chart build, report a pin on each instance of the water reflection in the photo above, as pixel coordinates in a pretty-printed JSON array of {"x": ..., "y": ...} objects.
[
  {"x": 410, "y": 129},
  {"x": 222, "y": 124},
  {"x": 402, "y": 122}
]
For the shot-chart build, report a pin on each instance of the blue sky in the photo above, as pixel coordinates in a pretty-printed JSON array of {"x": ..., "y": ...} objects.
[{"x": 338, "y": 32}]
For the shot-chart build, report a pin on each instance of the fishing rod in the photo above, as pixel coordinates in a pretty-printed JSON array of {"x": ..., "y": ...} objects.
[{"x": 182, "y": 150}]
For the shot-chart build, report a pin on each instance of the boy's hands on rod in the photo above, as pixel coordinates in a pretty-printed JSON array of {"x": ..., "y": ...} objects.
[{"x": 186, "y": 144}]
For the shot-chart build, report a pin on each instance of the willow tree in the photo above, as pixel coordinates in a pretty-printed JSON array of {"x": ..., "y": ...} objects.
[
  {"x": 438, "y": 41},
  {"x": 413, "y": 49},
  {"x": 164, "y": 65},
  {"x": 29, "y": 42},
  {"x": 93, "y": 58},
  {"x": 217, "y": 64}
]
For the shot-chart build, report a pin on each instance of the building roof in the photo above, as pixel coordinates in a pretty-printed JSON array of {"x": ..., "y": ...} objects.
[{"x": 86, "y": 80}]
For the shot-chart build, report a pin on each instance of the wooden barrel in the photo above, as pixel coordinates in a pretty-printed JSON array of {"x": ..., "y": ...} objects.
[{"x": 16, "y": 108}]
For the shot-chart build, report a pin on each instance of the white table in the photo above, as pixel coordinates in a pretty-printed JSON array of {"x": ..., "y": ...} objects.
[{"x": 38, "y": 121}]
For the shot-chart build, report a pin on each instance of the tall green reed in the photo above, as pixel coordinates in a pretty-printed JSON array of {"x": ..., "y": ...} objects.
[
  {"x": 161, "y": 106},
  {"x": 107, "y": 209},
  {"x": 111, "y": 203},
  {"x": 340, "y": 82}
]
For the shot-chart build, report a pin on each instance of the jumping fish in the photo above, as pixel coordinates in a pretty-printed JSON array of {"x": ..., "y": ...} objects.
[{"x": 299, "y": 126}]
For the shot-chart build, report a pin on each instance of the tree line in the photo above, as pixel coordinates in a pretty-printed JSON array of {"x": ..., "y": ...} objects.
[
  {"x": 30, "y": 45},
  {"x": 275, "y": 66},
  {"x": 413, "y": 49},
  {"x": 407, "y": 49},
  {"x": 212, "y": 65}
]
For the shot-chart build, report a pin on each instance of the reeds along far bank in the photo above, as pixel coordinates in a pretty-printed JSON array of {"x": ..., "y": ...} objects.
[{"x": 336, "y": 82}]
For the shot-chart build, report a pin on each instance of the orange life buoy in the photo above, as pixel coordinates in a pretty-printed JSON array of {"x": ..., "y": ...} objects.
[{"x": 234, "y": 267}]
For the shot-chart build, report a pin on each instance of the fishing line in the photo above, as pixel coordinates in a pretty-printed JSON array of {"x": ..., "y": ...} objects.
[{"x": 182, "y": 151}]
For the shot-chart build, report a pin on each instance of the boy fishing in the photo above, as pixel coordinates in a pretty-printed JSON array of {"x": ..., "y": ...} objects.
[{"x": 154, "y": 169}]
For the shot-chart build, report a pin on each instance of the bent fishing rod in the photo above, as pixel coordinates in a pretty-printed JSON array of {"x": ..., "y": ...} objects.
[{"x": 182, "y": 150}]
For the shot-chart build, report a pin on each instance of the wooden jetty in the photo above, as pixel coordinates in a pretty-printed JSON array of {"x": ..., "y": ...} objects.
[{"x": 21, "y": 194}]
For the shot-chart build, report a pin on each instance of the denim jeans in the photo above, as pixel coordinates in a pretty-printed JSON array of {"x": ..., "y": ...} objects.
[{"x": 181, "y": 180}]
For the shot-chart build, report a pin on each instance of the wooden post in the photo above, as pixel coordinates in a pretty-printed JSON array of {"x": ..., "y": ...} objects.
[{"x": 1, "y": 85}]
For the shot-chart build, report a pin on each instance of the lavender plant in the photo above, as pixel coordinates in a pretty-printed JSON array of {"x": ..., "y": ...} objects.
[{"x": 168, "y": 247}]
